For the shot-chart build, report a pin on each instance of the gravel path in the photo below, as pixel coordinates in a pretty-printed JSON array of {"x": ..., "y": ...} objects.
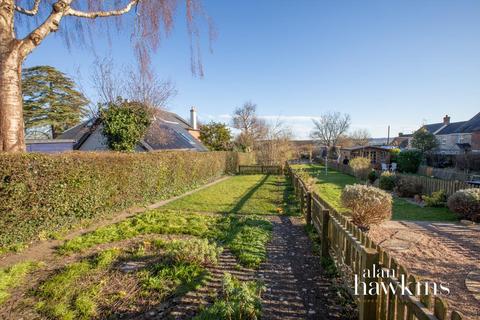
[{"x": 442, "y": 252}]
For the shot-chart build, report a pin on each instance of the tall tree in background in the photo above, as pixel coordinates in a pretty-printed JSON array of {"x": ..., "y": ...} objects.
[
  {"x": 251, "y": 127},
  {"x": 50, "y": 99},
  {"x": 216, "y": 136},
  {"x": 38, "y": 19},
  {"x": 330, "y": 127}
]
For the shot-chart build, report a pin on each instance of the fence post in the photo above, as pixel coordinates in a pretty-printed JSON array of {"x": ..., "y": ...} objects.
[
  {"x": 308, "y": 213},
  {"x": 324, "y": 235},
  {"x": 367, "y": 306}
]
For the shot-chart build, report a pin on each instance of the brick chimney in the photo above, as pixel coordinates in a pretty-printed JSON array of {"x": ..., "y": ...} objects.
[{"x": 446, "y": 120}]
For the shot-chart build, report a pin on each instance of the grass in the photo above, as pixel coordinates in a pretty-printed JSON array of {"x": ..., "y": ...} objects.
[
  {"x": 13, "y": 276},
  {"x": 175, "y": 267},
  {"x": 238, "y": 300},
  {"x": 69, "y": 294},
  {"x": 245, "y": 194},
  {"x": 246, "y": 236},
  {"x": 151, "y": 222},
  {"x": 330, "y": 187}
]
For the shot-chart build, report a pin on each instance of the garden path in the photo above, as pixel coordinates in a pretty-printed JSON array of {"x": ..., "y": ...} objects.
[{"x": 438, "y": 251}]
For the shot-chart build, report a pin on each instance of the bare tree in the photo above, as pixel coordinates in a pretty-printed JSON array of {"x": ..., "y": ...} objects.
[
  {"x": 330, "y": 127},
  {"x": 251, "y": 127},
  {"x": 275, "y": 148},
  {"x": 151, "y": 19},
  {"x": 133, "y": 83},
  {"x": 357, "y": 137},
  {"x": 148, "y": 88}
]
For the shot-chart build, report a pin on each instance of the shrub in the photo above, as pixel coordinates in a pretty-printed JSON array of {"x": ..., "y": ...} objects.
[
  {"x": 372, "y": 176},
  {"x": 465, "y": 203},
  {"x": 437, "y": 199},
  {"x": 387, "y": 181},
  {"x": 124, "y": 124},
  {"x": 394, "y": 154},
  {"x": 409, "y": 160},
  {"x": 408, "y": 187},
  {"x": 369, "y": 205},
  {"x": 361, "y": 167},
  {"x": 45, "y": 194}
]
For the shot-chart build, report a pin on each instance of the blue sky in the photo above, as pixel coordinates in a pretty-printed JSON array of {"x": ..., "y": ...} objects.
[{"x": 398, "y": 63}]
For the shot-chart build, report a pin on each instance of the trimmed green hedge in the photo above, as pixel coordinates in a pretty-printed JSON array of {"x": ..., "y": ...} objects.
[{"x": 41, "y": 195}]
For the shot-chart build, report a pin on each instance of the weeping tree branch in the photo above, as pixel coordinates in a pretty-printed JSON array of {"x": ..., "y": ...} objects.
[
  {"x": 29, "y": 12},
  {"x": 102, "y": 14}
]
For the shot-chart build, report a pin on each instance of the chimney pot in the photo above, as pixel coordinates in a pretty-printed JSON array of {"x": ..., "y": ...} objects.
[
  {"x": 446, "y": 120},
  {"x": 193, "y": 118}
]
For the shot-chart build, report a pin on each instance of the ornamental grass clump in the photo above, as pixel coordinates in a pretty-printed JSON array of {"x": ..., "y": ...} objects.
[
  {"x": 465, "y": 203},
  {"x": 361, "y": 167},
  {"x": 368, "y": 205}
]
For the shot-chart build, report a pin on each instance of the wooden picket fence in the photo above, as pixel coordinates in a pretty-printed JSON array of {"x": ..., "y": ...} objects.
[
  {"x": 354, "y": 252},
  {"x": 259, "y": 169},
  {"x": 429, "y": 185}
]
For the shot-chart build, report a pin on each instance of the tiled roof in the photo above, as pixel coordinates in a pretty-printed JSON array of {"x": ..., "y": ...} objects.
[
  {"x": 168, "y": 131},
  {"x": 433, "y": 127},
  {"x": 470, "y": 125},
  {"x": 451, "y": 128}
]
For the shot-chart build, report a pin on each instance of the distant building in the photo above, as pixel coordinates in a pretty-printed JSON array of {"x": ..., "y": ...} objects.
[
  {"x": 377, "y": 155},
  {"x": 306, "y": 149},
  {"x": 168, "y": 131},
  {"x": 455, "y": 137},
  {"x": 49, "y": 145}
]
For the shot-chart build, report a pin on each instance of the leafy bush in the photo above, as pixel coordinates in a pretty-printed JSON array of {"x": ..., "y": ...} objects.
[
  {"x": 124, "y": 124},
  {"x": 465, "y": 203},
  {"x": 408, "y": 187},
  {"x": 238, "y": 300},
  {"x": 372, "y": 176},
  {"x": 41, "y": 195},
  {"x": 387, "y": 181},
  {"x": 361, "y": 167},
  {"x": 368, "y": 205},
  {"x": 394, "y": 154},
  {"x": 437, "y": 199},
  {"x": 409, "y": 160}
]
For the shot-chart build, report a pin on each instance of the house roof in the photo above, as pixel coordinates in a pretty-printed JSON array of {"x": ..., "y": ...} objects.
[
  {"x": 432, "y": 128},
  {"x": 470, "y": 125},
  {"x": 451, "y": 128},
  {"x": 455, "y": 127},
  {"x": 168, "y": 131}
]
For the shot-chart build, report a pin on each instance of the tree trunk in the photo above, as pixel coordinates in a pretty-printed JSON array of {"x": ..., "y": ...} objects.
[{"x": 12, "y": 136}]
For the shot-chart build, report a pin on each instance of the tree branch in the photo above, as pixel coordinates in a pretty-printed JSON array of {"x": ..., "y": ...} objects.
[
  {"x": 102, "y": 14},
  {"x": 28, "y": 12},
  {"x": 49, "y": 25}
]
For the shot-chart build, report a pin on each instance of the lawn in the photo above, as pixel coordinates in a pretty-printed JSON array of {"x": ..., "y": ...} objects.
[
  {"x": 245, "y": 194},
  {"x": 172, "y": 247},
  {"x": 330, "y": 187}
]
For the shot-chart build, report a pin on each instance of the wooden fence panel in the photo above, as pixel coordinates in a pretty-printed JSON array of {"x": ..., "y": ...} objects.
[
  {"x": 259, "y": 169},
  {"x": 353, "y": 250}
]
